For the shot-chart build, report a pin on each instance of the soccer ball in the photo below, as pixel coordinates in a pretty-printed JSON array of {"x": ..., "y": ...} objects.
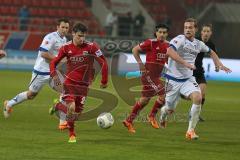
[{"x": 105, "y": 120}]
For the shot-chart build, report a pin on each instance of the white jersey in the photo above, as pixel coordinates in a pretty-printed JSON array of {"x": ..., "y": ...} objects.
[
  {"x": 188, "y": 50},
  {"x": 51, "y": 43}
]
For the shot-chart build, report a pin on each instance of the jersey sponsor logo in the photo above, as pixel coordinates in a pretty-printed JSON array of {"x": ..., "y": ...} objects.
[
  {"x": 76, "y": 59},
  {"x": 161, "y": 56}
]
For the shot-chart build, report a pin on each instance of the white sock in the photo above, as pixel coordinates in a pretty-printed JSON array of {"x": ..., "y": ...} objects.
[
  {"x": 164, "y": 113},
  {"x": 62, "y": 117},
  {"x": 194, "y": 116},
  {"x": 18, "y": 99}
]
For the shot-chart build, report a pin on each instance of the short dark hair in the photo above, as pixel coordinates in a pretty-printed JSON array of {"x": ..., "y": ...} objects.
[
  {"x": 79, "y": 27},
  {"x": 192, "y": 20},
  {"x": 162, "y": 25},
  {"x": 207, "y": 25},
  {"x": 65, "y": 20}
]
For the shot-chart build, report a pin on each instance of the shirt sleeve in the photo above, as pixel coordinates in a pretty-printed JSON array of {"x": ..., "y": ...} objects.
[
  {"x": 47, "y": 43},
  {"x": 61, "y": 54},
  {"x": 146, "y": 45},
  {"x": 96, "y": 50},
  {"x": 204, "y": 48},
  {"x": 176, "y": 42}
]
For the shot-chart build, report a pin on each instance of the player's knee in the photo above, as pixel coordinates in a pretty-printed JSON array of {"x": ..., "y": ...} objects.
[
  {"x": 161, "y": 100},
  {"x": 197, "y": 98},
  {"x": 144, "y": 101},
  {"x": 31, "y": 95}
]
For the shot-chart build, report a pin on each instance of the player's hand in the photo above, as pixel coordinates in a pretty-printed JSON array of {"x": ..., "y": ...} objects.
[
  {"x": 2, "y": 53},
  {"x": 223, "y": 68},
  {"x": 103, "y": 86},
  {"x": 143, "y": 69}
]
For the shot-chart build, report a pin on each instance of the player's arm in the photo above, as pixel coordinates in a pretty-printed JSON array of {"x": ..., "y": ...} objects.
[
  {"x": 99, "y": 57},
  {"x": 48, "y": 56},
  {"x": 104, "y": 70},
  {"x": 56, "y": 60},
  {"x": 47, "y": 43},
  {"x": 174, "y": 55},
  {"x": 2, "y": 54},
  {"x": 218, "y": 63},
  {"x": 136, "y": 53}
]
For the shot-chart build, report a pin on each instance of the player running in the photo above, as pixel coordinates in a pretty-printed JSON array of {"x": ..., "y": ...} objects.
[
  {"x": 41, "y": 73},
  {"x": 156, "y": 57},
  {"x": 80, "y": 56},
  {"x": 180, "y": 77}
]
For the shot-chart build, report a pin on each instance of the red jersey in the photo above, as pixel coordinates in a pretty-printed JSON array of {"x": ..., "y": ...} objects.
[
  {"x": 80, "y": 62},
  {"x": 156, "y": 55}
]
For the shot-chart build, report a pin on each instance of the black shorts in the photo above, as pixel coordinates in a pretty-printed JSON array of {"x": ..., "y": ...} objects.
[{"x": 200, "y": 78}]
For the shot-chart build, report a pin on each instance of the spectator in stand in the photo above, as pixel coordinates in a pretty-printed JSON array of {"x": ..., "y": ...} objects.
[
  {"x": 111, "y": 20},
  {"x": 138, "y": 24},
  {"x": 24, "y": 15}
]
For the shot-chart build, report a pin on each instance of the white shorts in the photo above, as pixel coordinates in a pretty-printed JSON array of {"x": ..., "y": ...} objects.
[
  {"x": 174, "y": 89},
  {"x": 38, "y": 81}
]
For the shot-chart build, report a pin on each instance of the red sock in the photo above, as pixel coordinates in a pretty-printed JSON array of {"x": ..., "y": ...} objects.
[
  {"x": 59, "y": 106},
  {"x": 155, "y": 109},
  {"x": 136, "y": 109},
  {"x": 71, "y": 128}
]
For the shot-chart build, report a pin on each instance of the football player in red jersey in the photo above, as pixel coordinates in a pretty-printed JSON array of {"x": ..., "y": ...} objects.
[
  {"x": 156, "y": 57},
  {"x": 80, "y": 55}
]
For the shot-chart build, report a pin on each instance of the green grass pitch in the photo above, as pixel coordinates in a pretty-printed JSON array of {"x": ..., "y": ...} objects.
[{"x": 31, "y": 134}]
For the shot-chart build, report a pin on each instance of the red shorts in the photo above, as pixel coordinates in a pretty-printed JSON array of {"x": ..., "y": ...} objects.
[
  {"x": 75, "y": 93},
  {"x": 152, "y": 86}
]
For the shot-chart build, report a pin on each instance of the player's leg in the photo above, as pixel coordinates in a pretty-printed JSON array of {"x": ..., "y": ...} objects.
[
  {"x": 203, "y": 87},
  {"x": 171, "y": 100},
  {"x": 139, "y": 105},
  {"x": 157, "y": 105},
  {"x": 191, "y": 90},
  {"x": 37, "y": 82}
]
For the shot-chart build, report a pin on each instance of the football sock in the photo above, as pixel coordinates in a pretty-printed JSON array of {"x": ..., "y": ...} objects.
[
  {"x": 71, "y": 128},
  {"x": 203, "y": 101},
  {"x": 194, "y": 116},
  {"x": 155, "y": 108},
  {"x": 62, "y": 117},
  {"x": 18, "y": 99},
  {"x": 136, "y": 109}
]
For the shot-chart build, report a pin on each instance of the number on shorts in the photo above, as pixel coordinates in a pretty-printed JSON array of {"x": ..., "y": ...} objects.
[{"x": 83, "y": 100}]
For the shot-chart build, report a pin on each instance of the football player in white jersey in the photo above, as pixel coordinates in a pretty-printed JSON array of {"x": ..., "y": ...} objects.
[
  {"x": 180, "y": 78},
  {"x": 41, "y": 73}
]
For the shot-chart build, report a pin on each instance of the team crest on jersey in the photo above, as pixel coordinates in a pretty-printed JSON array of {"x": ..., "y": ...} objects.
[
  {"x": 175, "y": 41},
  {"x": 46, "y": 42}
]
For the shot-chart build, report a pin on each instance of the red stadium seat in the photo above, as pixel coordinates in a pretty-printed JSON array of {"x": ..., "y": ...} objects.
[
  {"x": 14, "y": 10},
  {"x": 55, "y": 3},
  {"x": 17, "y": 2}
]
